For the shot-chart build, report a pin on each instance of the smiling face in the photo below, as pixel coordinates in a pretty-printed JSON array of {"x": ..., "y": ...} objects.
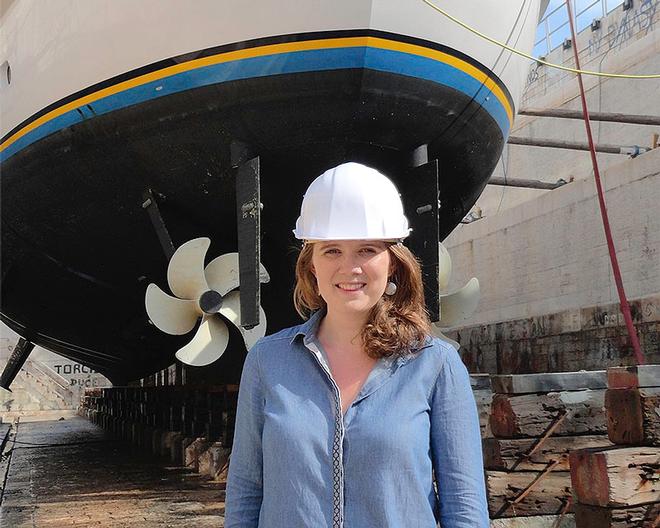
[{"x": 351, "y": 274}]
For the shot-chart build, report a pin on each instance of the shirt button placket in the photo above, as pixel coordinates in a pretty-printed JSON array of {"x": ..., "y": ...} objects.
[
  {"x": 337, "y": 447},
  {"x": 338, "y": 465}
]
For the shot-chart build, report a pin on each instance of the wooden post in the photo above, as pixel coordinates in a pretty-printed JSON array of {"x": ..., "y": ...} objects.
[
  {"x": 632, "y": 416},
  {"x": 483, "y": 396},
  {"x": 616, "y": 477},
  {"x": 175, "y": 413},
  {"x": 229, "y": 403},
  {"x": 214, "y": 423},
  {"x": 633, "y": 404}
]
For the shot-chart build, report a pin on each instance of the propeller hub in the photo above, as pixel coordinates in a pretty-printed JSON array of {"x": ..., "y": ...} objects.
[{"x": 210, "y": 302}]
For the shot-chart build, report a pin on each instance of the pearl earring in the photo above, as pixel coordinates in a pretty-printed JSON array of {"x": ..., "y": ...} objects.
[{"x": 390, "y": 289}]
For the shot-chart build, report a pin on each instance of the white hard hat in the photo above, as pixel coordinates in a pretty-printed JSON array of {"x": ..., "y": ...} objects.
[{"x": 351, "y": 202}]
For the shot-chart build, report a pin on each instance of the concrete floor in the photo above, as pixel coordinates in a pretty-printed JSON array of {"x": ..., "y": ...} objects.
[{"x": 71, "y": 473}]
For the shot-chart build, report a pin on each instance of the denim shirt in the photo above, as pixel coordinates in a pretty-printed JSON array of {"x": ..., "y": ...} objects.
[{"x": 298, "y": 463}]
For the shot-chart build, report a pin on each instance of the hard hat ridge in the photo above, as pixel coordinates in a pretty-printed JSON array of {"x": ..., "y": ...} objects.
[{"x": 351, "y": 202}]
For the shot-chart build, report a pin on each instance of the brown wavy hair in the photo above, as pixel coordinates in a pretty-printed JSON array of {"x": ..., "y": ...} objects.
[{"x": 397, "y": 324}]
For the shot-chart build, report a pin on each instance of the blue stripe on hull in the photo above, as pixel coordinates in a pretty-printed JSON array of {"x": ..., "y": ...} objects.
[{"x": 285, "y": 63}]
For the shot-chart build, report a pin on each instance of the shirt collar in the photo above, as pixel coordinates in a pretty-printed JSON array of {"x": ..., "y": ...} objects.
[{"x": 309, "y": 328}]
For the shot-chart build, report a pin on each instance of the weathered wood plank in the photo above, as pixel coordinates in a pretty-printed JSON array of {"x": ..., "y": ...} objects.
[
  {"x": 616, "y": 477},
  {"x": 535, "y": 521},
  {"x": 548, "y": 496},
  {"x": 480, "y": 382},
  {"x": 509, "y": 454},
  {"x": 484, "y": 399},
  {"x": 530, "y": 415},
  {"x": 633, "y": 416},
  {"x": 635, "y": 376},
  {"x": 644, "y": 516},
  {"x": 549, "y": 382}
]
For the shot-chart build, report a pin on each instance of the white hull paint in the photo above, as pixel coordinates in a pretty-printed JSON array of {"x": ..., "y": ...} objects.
[{"x": 56, "y": 48}]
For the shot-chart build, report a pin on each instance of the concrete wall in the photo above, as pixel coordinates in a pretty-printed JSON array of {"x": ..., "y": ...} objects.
[
  {"x": 549, "y": 256},
  {"x": 549, "y": 301},
  {"x": 628, "y": 42}
]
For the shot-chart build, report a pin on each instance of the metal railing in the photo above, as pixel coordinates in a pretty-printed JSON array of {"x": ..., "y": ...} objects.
[{"x": 553, "y": 28}]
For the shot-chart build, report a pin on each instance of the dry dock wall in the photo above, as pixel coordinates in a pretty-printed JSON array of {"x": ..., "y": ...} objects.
[
  {"x": 548, "y": 298},
  {"x": 46, "y": 382},
  {"x": 627, "y": 42}
]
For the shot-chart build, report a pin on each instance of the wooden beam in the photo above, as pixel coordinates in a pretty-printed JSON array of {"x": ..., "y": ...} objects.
[
  {"x": 548, "y": 382},
  {"x": 612, "y": 117},
  {"x": 548, "y": 496},
  {"x": 616, "y": 477},
  {"x": 480, "y": 382},
  {"x": 633, "y": 376},
  {"x": 529, "y": 415},
  {"x": 633, "y": 416},
  {"x": 527, "y": 184},
  {"x": 511, "y": 454},
  {"x": 629, "y": 150}
]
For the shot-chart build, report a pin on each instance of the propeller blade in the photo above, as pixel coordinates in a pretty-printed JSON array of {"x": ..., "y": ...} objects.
[
  {"x": 185, "y": 273},
  {"x": 222, "y": 273},
  {"x": 231, "y": 309},
  {"x": 444, "y": 267},
  {"x": 208, "y": 345},
  {"x": 459, "y": 305},
  {"x": 169, "y": 314}
]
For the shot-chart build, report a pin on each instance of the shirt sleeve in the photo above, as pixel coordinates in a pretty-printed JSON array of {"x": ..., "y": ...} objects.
[
  {"x": 456, "y": 448},
  {"x": 244, "y": 481}
]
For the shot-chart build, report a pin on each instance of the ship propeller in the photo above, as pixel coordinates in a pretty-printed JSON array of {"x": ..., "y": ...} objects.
[
  {"x": 456, "y": 306},
  {"x": 208, "y": 292}
]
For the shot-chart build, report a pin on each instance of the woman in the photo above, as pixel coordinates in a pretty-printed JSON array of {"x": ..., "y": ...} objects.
[{"x": 346, "y": 419}]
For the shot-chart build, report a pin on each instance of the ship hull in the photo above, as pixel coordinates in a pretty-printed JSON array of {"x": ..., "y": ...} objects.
[{"x": 78, "y": 247}]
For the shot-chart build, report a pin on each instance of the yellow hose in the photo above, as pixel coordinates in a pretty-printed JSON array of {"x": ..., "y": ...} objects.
[{"x": 528, "y": 56}]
